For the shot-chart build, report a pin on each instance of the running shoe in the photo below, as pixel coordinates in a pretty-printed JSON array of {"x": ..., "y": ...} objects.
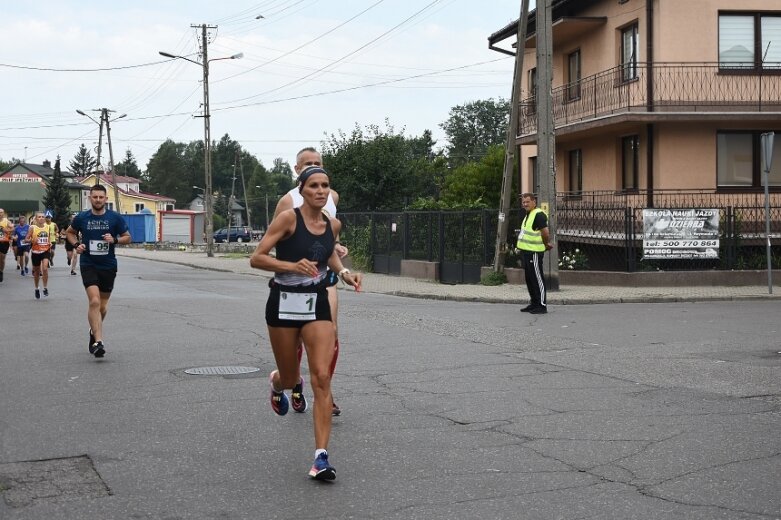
[
  {"x": 538, "y": 310},
  {"x": 527, "y": 308},
  {"x": 297, "y": 397},
  {"x": 97, "y": 349},
  {"x": 45, "y": 292},
  {"x": 321, "y": 469},
  {"x": 69, "y": 261},
  {"x": 37, "y": 294},
  {"x": 91, "y": 339},
  {"x": 18, "y": 267},
  {"x": 27, "y": 270},
  {"x": 73, "y": 273},
  {"x": 22, "y": 273},
  {"x": 336, "y": 411},
  {"x": 1, "y": 276},
  {"x": 279, "y": 401}
]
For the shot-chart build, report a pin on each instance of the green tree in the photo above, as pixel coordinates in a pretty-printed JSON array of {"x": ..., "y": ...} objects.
[
  {"x": 169, "y": 173},
  {"x": 473, "y": 127},
  {"x": 83, "y": 163},
  {"x": 476, "y": 184},
  {"x": 128, "y": 167},
  {"x": 57, "y": 198},
  {"x": 377, "y": 169}
]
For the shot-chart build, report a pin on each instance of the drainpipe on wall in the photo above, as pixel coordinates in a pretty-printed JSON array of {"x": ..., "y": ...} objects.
[{"x": 649, "y": 50}]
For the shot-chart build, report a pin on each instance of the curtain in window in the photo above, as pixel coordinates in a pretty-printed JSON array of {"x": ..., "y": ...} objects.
[
  {"x": 771, "y": 41},
  {"x": 736, "y": 41},
  {"x": 735, "y": 159}
]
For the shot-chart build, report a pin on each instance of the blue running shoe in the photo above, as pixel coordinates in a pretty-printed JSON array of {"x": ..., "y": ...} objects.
[
  {"x": 279, "y": 401},
  {"x": 321, "y": 469},
  {"x": 297, "y": 397}
]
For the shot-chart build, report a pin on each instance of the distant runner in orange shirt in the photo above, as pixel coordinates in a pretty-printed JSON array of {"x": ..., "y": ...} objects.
[{"x": 40, "y": 249}]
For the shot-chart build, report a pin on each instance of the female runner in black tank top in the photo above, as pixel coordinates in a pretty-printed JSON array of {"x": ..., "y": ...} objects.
[{"x": 294, "y": 304}]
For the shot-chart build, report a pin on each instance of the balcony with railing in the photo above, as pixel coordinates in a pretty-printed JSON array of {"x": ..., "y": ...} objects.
[{"x": 676, "y": 88}]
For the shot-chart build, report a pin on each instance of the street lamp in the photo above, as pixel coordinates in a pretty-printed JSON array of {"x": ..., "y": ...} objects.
[{"x": 207, "y": 162}]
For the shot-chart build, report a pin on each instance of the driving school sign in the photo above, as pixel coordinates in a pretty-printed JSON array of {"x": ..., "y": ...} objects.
[{"x": 680, "y": 234}]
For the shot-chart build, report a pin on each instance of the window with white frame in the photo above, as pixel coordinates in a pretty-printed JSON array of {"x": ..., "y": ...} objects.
[
  {"x": 738, "y": 163},
  {"x": 630, "y": 47},
  {"x": 750, "y": 41},
  {"x": 573, "y": 75}
]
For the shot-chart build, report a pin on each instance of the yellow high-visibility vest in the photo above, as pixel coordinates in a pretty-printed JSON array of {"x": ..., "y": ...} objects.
[{"x": 529, "y": 239}]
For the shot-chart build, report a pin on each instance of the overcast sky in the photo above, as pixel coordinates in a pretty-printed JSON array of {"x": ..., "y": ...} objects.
[{"x": 310, "y": 68}]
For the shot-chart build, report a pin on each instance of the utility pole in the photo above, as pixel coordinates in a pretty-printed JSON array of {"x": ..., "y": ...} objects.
[
  {"x": 509, "y": 148},
  {"x": 246, "y": 201},
  {"x": 104, "y": 116},
  {"x": 207, "y": 140},
  {"x": 98, "y": 166},
  {"x": 230, "y": 200},
  {"x": 546, "y": 138}
]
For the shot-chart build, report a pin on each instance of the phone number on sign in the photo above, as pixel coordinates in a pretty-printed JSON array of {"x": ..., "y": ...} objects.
[{"x": 680, "y": 243}]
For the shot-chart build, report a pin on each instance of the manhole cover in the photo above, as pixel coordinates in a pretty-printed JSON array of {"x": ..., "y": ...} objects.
[{"x": 220, "y": 371}]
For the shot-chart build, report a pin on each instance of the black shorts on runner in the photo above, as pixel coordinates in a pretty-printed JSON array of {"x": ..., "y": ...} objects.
[
  {"x": 20, "y": 250},
  {"x": 69, "y": 246},
  {"x": 103, "y": 278},
  {"x": 322, "y": 311},
  {"x": 37, "y": 258},
  {"x": 4, "y": 247}
]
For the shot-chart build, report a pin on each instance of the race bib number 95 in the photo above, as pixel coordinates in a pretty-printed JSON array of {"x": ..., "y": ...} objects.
[
  {"x": 297, "y": 306},
  {"x": 98, "y": 247}
]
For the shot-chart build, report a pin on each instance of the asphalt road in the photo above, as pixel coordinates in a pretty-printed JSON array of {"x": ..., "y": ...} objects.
[{"x": 451, "y": 410}]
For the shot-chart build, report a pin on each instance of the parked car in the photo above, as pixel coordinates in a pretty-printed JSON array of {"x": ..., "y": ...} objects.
[{"x": 237, "y": 234}]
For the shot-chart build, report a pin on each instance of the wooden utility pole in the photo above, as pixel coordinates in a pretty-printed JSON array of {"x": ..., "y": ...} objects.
[
  {"x": 509, "y": 148},
  {"x": 104, "y": 115},
  {"x": 546, "y": 138}
]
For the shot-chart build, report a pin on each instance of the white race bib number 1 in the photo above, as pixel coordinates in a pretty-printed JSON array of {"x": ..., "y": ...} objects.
[
  {"x": 98, "y": 247},
  {"x": 297, "y": 306}
]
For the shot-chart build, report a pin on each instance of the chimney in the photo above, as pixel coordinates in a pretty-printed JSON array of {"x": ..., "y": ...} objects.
[{"x": 47, "y": 164}]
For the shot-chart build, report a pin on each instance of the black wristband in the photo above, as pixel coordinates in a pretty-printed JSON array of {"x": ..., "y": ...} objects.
[{"x": 76, "y": 244}]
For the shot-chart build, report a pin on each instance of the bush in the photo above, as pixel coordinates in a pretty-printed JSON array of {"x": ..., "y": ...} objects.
[
  {"x": 493, "y": 278},
  {"x": 575, "y": 260}
]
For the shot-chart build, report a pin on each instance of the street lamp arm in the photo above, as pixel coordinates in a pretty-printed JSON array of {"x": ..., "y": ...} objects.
[{"x": 175, "y": 56}]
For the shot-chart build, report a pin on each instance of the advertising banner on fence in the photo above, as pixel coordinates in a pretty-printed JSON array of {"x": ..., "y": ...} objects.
[{"x": 680, "y": 234}]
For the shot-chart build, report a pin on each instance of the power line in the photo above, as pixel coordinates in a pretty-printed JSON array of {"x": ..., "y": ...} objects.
[{"x": 104, "y": 69}]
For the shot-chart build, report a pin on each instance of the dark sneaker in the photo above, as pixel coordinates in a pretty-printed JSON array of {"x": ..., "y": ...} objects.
[
  {"x": 297, "y": 399},
  {"x": 97, "y": 349},
  {"x": 45, "y": 292},
  {"x": 18, "y": 267},
  {"x": 321, "y": 469},
  {"x": 527, "y": 308},
  {"x": 538, "y": 310},
  {"x": 22, "y": 273},
  {"x": 1, "y": 276},
  {"x": 69, "y": 261},
  {"x": 27, "y": 270},
  {"x": 37, "y": 294},
  {"x": 279, "y": 401},
  {"x": 91, "y": 339},
  {"x": 73, "y": 273},
  {"x": 336, "y": 411},
  {"x": 51, "y": 263}
]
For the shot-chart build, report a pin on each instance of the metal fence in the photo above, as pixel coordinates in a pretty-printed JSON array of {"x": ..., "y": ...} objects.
[
  {"x": 691, "y": 87},
  {"x": 606, "y": 227}
]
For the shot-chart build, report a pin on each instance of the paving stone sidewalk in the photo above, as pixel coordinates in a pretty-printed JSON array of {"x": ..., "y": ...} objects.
[{"x": 507, "y": 293}]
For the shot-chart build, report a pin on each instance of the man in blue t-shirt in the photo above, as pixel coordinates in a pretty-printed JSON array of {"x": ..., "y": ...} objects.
[
  {"x": 21, "y": 245},
  {"x": 100, "y": 229}
]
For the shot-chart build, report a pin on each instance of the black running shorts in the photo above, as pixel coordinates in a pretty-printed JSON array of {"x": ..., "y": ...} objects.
[
  {"x": 103, "y": 278},
  {"x": 4, "y": 248},
  {"x": 37, "y": 258},
  {"x": 321, "y": 310}
]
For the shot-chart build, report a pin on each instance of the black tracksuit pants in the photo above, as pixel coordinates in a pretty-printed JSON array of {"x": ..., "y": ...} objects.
[{"x": 535, "y": 281}]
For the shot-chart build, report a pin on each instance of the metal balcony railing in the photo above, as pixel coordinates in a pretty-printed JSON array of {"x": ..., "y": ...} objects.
[{"x": 677, "y": 87}]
